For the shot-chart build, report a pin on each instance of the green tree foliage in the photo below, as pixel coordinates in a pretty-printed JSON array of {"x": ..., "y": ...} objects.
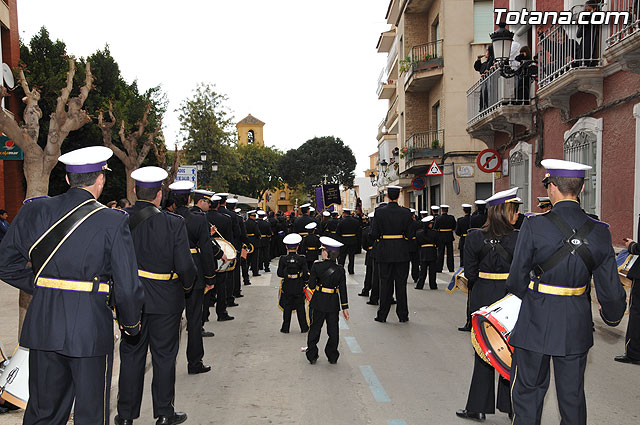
[
  {"x": 316, "y": 158},
  {"x": 206, "y": 125},
  {"x": 258, "y": 170},
  {"x": 45, "y": 66}
]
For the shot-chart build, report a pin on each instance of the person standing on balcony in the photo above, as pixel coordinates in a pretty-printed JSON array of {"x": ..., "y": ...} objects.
[
  {"x": 483, "y": 68},
  {"x": 523, "y": 82},
  {"x": 588, "y": 35}
]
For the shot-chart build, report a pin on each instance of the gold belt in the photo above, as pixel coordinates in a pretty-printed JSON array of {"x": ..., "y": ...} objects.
[
  {"x": 194, "y": 250},
  {"x": 371, "y": 247},
  {"x": 558, "y": 290},
  {"x": 427, "y": 245},
  {"x": 348, "y": 236},
  {"x": 293, "y": 276},
  {"x": 445, "y": 230},
  {"x": 157, "y": 276},
  {"x": 392, "y": 236},
  {"x": 328, "y": 290},
  {"x": 303, "y": 233},
  {"x": 493, "y": 276},
  {"x": 464, "y": 234},
  {"x": 265, "y": 236},
  {"x": 311, "y": 248},
  {"x": 251, "y": 234},
  {"x": 71, "y": 285}
]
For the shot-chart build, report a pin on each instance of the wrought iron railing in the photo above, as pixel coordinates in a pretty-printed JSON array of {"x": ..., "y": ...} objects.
[
  {"x": 621, "y": 30},
  {"x": 427, "y": 144},
  {"x": 562, "y": 48},
  {"x": 383, "y": 80},
  {"x": 423, "y": 57},
  {"x": 494, "y": 90}
]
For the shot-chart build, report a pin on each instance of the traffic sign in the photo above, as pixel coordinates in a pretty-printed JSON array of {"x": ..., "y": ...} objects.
[
  {"x": 188, "y": 173},
  {"x": 434, "y": 170},
  {"x": 418, "y": 183},
  {"x": 489, "y": 160}
]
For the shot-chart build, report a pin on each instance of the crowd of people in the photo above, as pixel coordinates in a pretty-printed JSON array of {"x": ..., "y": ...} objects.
[{"x": 190, "y": 250}]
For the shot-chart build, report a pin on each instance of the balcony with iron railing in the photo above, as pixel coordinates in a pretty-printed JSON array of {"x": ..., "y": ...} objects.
[
  {"x": 496, "y": 103},
  {"x": 420, "y": 148},
  {"x": 423, "y": 67},
  {"x": 570, "y": 61},
  {"x": 391, "y": 122},
  {"x": 386, "y": 86},
  {"x": 623, "y": 38}
]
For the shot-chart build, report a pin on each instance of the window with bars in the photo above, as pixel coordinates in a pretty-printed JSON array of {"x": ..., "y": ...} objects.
[
  {"x": 519, "y": 176},
  {"x": 582, "y": 147}
]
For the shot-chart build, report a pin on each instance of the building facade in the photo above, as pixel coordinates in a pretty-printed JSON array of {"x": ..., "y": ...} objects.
[
  {"x": 251, "y": 131},
  {"x": 431, "y": 48},
  {"x": 584, "y": 107},
  {"x": 11, "y": 174}
]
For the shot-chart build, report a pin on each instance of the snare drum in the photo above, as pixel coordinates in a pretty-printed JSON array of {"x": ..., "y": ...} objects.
[
  {"x": 625, "y": 262},
  {"x": 230, "y": 252},
  {"x": 14, "y": 381},
  {"x": 492, "y": 328}
]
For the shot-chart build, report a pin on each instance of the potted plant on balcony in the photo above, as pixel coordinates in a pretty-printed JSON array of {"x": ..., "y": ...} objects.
[
  {"x": 406, "y": 64},
  {"x": 435, "y": 144},
  {"x": 428, "y": 61}
]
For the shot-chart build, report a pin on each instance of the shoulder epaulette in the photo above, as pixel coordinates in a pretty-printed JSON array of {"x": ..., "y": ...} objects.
[
  {"x": 533, "y": 215},
  {"x": 119, "y": 210},
  {"x": 34, "y": 198},
  {"x": 173, "y": 214}
]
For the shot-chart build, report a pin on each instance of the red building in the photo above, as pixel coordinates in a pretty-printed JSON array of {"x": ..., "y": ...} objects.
[
  {"x": 11, "y": 175},
  {"x": 585, "y": 107}
]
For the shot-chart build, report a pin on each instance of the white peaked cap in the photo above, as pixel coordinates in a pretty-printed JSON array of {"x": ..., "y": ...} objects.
[
  {"x": 466, "y": 205},
  {"x": 261, "y": 212},
  {"x": 502, "y": 197},
  {"x": 435, "y": 207},
  {"x": 215, "y": 198},
  {"x": 307, "y": 205},
  {"x": 326, "y": 213},
  {"x": 330, "y": 243},
  {"x": 149, "y": 176},
  {"x": 371, "y": 214},
  {"x": 181, "y": 186},
  {"x": 444, "y": 206},
  {"x": 87, "y": 160},
  {"x": 480, "y": 202},
  {"x": 232, "y": 201},
  {"x": 311, "y": 225},
  {"x": 427, "y": 219},
  {"x": 292, "y": 239}
]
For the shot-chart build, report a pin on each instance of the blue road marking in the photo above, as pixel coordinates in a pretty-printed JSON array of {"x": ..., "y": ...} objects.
[
  {"x": 396, "y": 422},
  {"x": 353, "y": 344},
  {"x": 342, "y": 324},
  {"x": 374, "y": 384}
]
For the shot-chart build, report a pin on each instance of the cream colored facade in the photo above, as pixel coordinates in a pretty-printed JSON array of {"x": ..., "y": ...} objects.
[
  {"x": 430, "y": 55},
  {"x": 251, "y": 131}
]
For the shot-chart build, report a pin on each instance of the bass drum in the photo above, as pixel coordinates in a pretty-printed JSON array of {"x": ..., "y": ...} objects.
[
  {"x": 492, "y": 328},
  {"x": 14, "y": 381},
  {"x": 230, "y": 252}
]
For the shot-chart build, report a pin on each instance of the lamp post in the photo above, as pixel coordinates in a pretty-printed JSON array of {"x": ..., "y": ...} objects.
[{"x": 501, "y": 40}]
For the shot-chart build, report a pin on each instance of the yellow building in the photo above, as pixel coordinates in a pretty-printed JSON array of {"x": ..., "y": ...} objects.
[{"x": 251, "y": 131}]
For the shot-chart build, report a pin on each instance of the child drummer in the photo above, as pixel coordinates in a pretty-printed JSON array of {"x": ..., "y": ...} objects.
[
  {"x": 292, "y": 268},
  {"x": 328, "y": 280}
]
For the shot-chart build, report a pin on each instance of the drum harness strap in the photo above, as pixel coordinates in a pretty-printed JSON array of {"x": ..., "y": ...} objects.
[
  {"x": 134, "y": 221},
  {"x": 574, "y": 241},
  {"x": 50, "y": 242},
  {"x": 325, "y": 276}
]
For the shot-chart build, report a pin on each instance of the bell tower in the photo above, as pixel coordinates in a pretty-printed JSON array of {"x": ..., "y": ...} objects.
[{"x": 250, "y": 131}]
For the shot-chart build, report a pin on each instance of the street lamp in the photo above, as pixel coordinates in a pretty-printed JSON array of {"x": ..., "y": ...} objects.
[
  {"x": 214, "y": 166},
  {"x": 203, "y": 156},
  {"x": 199, "y": 165},
  {"x": 372, "y": 176},
  {"x": 384, "y": 165},
  {"x": 501, "y": 40}
]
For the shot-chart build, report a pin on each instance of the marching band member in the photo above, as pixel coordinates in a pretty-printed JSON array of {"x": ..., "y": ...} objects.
[
  {"x": 488, "y": 255},
  {"x": 426, "y": 239},
  {"x": 292, "y": 268},
  {"x": 310, "y": 246}
]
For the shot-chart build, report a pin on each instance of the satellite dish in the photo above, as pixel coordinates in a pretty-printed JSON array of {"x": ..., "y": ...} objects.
[{"x": 7, "y": 76}]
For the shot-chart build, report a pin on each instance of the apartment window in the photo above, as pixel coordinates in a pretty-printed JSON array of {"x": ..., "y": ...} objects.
[
  {"x": 583, "y": 144},
  {"x": 435, "y": 120},
  {"x": 484, "y": 190},
  {"x": 283, "y": 195},
  {"x": 482, "y": 21},
  {"x": 251, "y": 137},
  {"x": 520, "y": 172}
]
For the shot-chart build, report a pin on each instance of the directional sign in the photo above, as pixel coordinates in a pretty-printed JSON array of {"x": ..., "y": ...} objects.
[
  {"x": 188, "y": 173},
  {"x": 489, "y": 160},
  {"x": 434, "y": 170}
]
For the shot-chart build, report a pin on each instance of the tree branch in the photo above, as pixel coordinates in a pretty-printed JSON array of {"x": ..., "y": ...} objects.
[{"x": 106, "y": 127}]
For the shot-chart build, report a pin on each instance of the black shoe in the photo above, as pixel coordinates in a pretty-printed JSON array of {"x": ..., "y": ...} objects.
[
  {"x": 284, "y": 331},
  {"x": 363, "y": 294},
  {"x": 176, "y": 418},
  {"x": 372, "y": 302},
  {"x": 350, "y": 272},
  {"x": 625, "y": 359},
  {"x": 267, "y": 270},
  {"x": 304, "y": 331},
  {"x": 433, "y": 287},
  {"x": 238, "y": 296},
  {"x": 313, "y": 361},
  {"x": 394, "y": 302},
  {"x": 471, "y": 415},
  {"x": 207, "y": 334},
  {"x": 233, "y": 304},
  {"x": 419, "y": 287},
  {"x": 9, "y": 407},
  {"x": 119, "y": 421},
  {"x": 256, "y": 274},
  {"x": 199, "y": 368},
  {"x": 465, "y": 328},
  {"x": 247, "y": 283},
  {"x": 404, "y": 320},
  {"x": 225, "y": 318},
  {"x": 333, "y": 361},
  {"x": 378, "y": 319}
]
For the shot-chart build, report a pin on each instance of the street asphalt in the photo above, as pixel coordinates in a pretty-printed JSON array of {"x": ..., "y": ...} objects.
[{"x": 388, "y": 373}]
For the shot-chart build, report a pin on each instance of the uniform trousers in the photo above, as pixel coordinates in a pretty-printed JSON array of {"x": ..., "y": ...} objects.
[
  {"x": 244, "y": 263},
  {"x": 193, "y": 310},
  {"x": 414, "y": 259},
  {"x": 530, "y": 382},
  {"x": 448, "y": 246},
  {"x": 253, "y": 260},
  {"x": 265, "y": 256},
  {"x": 375, "y": 282},
  {"x": 482, "y": 398},
  {"x": 237, "y": 287},
  {"x": 317, "y": 319},
  {"x": 368, "y": 276},
  {"x": 430, "y": 268},
  {"x": 632, "y": 338},
  {"x": 221, "y": 288},
  {"x": 160, "y": 334},
  {"x": 348, "y": 251},
  {"x": 393, "y": 276},
  {"x": 461, "y": 247},
  {"x": 296, "y": 303},
  {"x": 56, "y": 380}
]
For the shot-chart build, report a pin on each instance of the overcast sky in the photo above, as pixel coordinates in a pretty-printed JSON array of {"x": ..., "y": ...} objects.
[{"x": 305, "y": 68}]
